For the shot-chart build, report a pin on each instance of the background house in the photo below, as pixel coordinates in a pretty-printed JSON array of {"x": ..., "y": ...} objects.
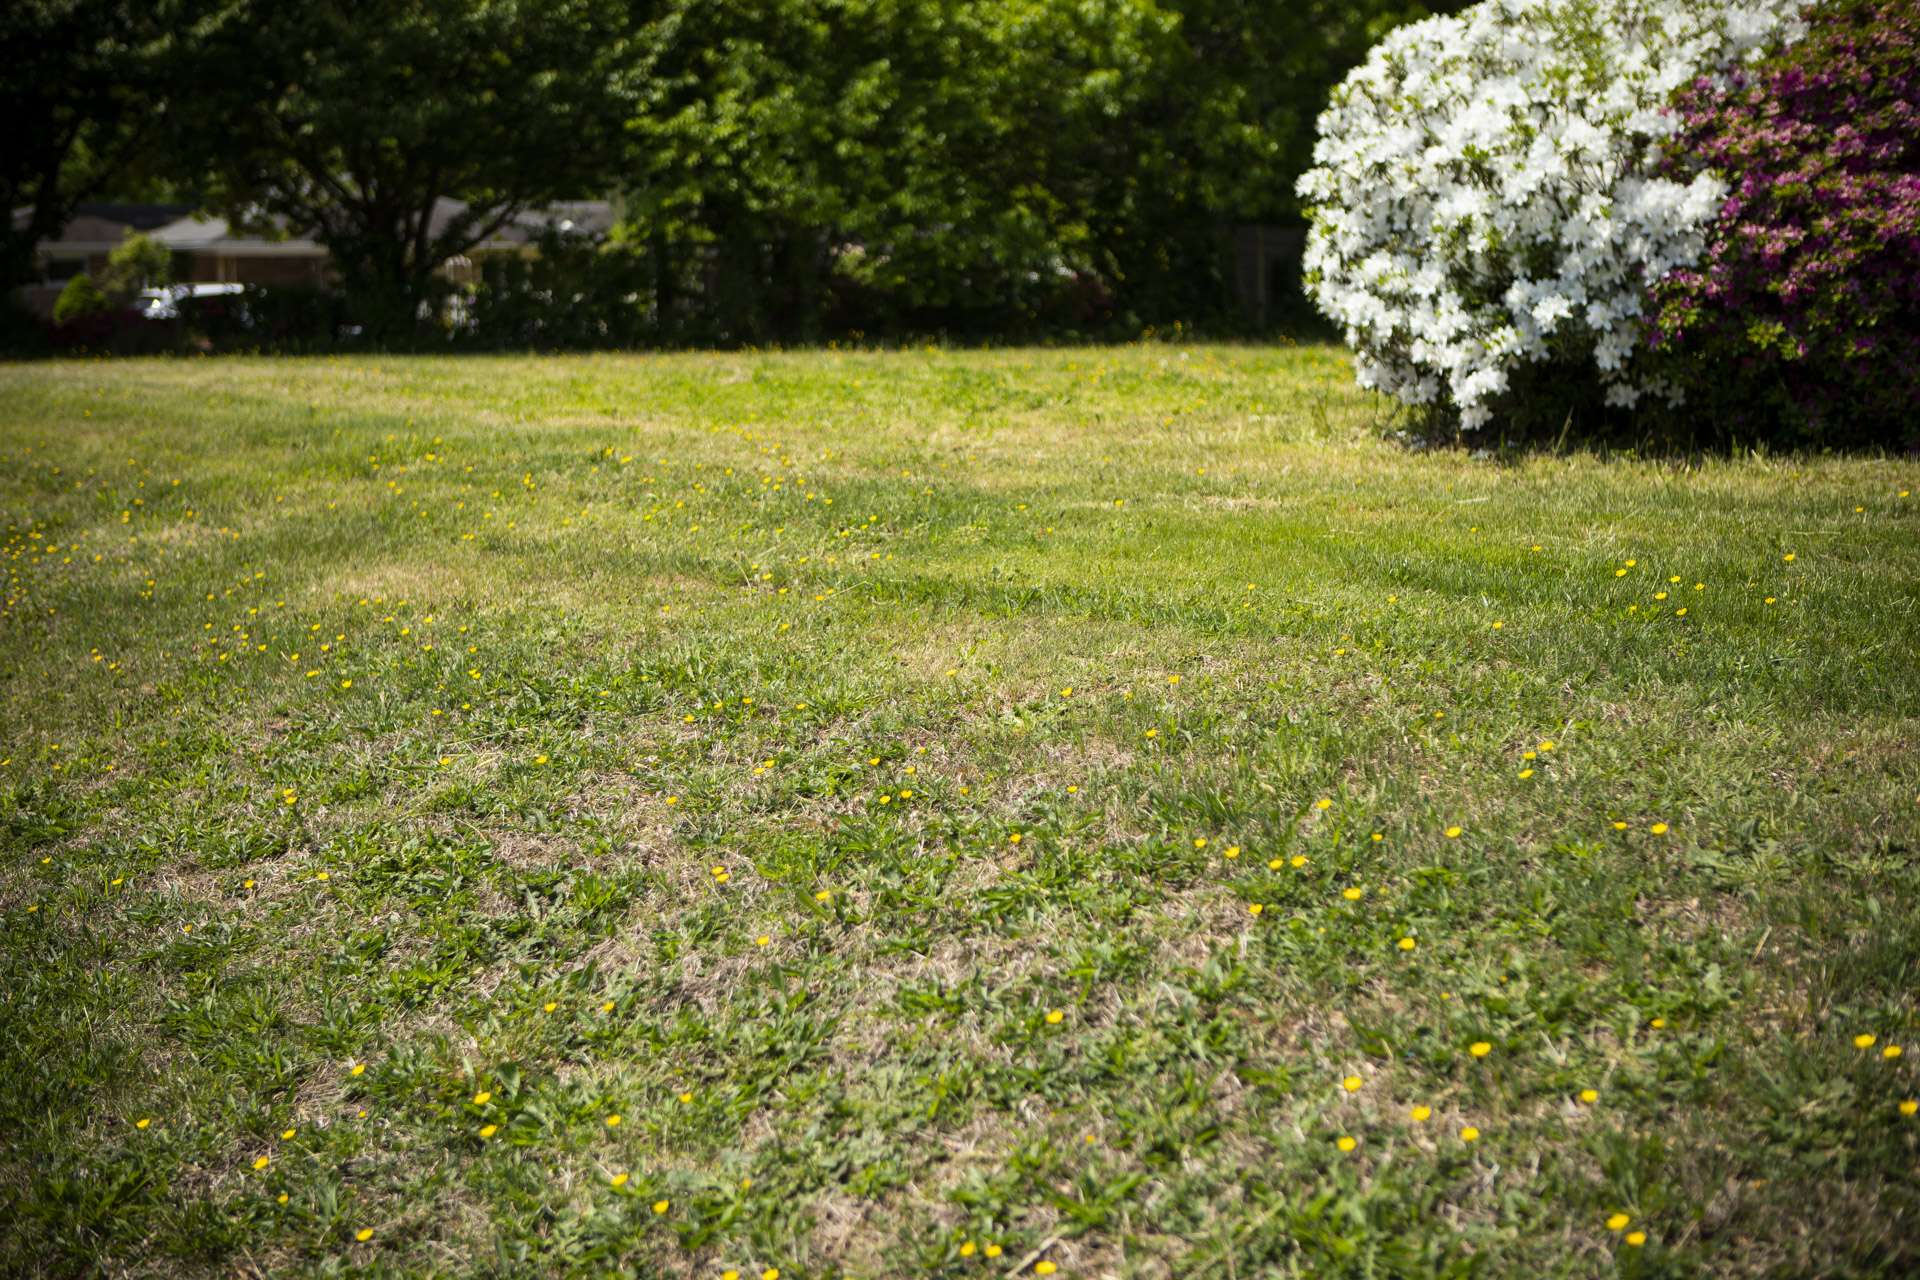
[{"x": 208, "y": 250}]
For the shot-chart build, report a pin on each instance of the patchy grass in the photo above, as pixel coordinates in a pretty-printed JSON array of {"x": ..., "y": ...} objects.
[{"x": 962, "y": 813}]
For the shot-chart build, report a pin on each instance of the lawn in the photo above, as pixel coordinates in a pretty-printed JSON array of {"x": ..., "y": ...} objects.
[{"x": 1081, "y": 812}]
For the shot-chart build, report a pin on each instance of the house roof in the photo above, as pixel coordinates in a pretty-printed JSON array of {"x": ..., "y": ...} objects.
[
  {"x": 216, "y": 235},
  {"x": 586, "y": 217},
  {"x": 98, "y": 228}
]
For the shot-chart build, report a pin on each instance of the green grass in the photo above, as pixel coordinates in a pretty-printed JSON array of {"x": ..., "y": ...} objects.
[{"x": 709, "y": 760}]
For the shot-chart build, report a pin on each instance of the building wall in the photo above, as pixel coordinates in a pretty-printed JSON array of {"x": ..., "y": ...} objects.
[{"x": 215, "y": 268}]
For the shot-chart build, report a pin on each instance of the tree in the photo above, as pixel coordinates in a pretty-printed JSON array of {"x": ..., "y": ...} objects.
[
  {"x": 86, "y": 88},
  {"x": 137, "y": 263},
  {"x": 81, "y": 299},
  {"x": 352, "y": 120},
  {"x": 912, "y": 150},
  {"x": 970, "y": 163}
]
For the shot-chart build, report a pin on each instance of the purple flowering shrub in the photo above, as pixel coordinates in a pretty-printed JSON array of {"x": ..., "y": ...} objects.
[{"x": 1802, "y": 320}]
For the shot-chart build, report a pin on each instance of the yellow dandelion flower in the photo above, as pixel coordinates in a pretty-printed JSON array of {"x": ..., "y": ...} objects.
[
  {"x": 488, "y": 1130},
  {"x": 661, "y": 1206},
  {"x": 1864, "y": 1040},
  {"x": 1407, "y": 944},
  {"x": 613, "y": 1121},
  {"x": 1589, "y": 1096},
  {"x": 1346, "y": 1143},
  {"x": 1044, "y": 1268},
  {"x": 261, "y": 1163},
  {"x": 1909, "y": 1106},
  {"x": 1891, "y": 1051},
  {"x": 968, "y": 1248},
  {"x": 1658, "y": 828},
  {"x": 1618, "y": 1222},
  {"x": 1352, "y": 1084},
  {"x": 1479, "y": 1048},
  {"x": 1055, "y": 1017},
  {"x": 1421, "y": 1114},
  {"x": 483, "y": 1097},
  {"x": 363, "y": 1235},
  {"x": 618, "y": 1180},
  {"x": 1255, "y": 908},
  {"x": 1297, "y": 861},
  {"x": 1323, "y": 803},
  {"x": 992, "y": 1251},
  {"x": 1453, "y": 833},
  {"x": 1353, "y": 893}
]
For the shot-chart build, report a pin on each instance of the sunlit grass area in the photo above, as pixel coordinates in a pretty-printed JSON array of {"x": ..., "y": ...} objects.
[{"x": 1085, "y": 812}]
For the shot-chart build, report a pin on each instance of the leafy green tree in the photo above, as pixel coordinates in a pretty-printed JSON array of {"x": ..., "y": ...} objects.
[
  {"x": 791, "y": 149},
  {"x": 82, "y": 297},
  {"x": 963, "y": 164},
  {"x": 351, "y": 120},
  {"x": 137, "y": 262},
  {"x": 86, "y": 88},
  {"x": 1217, "y": 129}
]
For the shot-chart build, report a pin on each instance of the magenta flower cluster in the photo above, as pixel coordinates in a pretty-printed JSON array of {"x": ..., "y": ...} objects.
[{"x": 1802, "y": 321}]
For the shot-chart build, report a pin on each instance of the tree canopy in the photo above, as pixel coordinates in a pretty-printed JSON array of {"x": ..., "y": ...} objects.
[
  {"x": 352, "y": 120},
  {"x": 84, "y": 96},
  {"x": 786, "y": 169}
]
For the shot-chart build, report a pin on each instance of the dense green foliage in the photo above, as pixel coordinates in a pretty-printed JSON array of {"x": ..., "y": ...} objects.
[
  {"x": 790, "y": 169},
  {"x": 830, "y": 166},
  {"x": 408, "y": 764},
  {"x": 84, "y": 86},
  {"x": 137, "y": 262},
  {"x": 352, "y": 119},
  {"x": 82, "y": 298}
]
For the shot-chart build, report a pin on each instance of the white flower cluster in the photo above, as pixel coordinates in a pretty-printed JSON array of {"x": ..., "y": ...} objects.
[{"x": 1483, "y": 196}]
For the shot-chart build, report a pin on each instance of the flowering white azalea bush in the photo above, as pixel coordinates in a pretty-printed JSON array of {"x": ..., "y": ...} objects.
[{"x": 1483, "y": 197}]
